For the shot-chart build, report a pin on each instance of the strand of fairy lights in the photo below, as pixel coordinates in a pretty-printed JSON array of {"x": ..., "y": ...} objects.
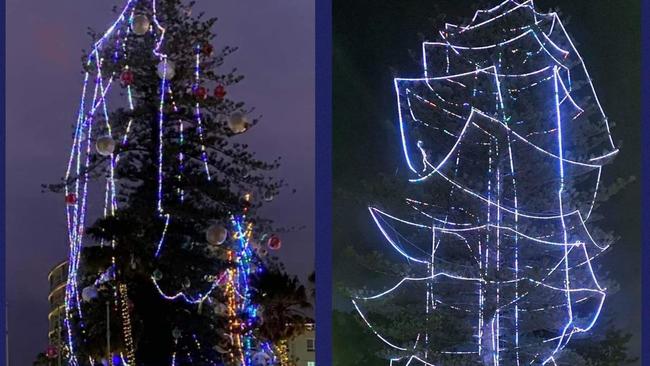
[
  {"x": 557, "y": 21},
  {"x": 126, "y": 329},
  {"x": 560, "y": 87},
  {"x": 80, "y": 159},
  {"x": 197, "y": 110}
]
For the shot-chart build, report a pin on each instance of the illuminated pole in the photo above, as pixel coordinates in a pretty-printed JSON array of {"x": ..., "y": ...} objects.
[{"x": 108, "y": 333}]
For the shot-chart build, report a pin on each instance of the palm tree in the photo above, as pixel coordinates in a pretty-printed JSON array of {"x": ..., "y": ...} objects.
[{"x": 286, "y": 305}]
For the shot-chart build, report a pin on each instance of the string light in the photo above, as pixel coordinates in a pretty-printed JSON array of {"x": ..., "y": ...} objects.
[
  {"x": 498, "y": 241},
  {"x": 126, "y": 325}
]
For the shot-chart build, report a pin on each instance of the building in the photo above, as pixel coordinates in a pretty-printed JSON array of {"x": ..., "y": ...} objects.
[
  {"x": 57, "y": 279},
  {"x": 303, "y": 347}
]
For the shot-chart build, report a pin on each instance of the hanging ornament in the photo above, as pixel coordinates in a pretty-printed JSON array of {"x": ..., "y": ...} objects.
[
  {"x": 209, "y": 278},
  {"x": 216, "y": 234},
  {"x": 89, "y": 293},
  {"x": 186, "y": 283},
  {"x": 207, "y": 49},
  {"x": 200, "y": 92},
  {"x": 157, "y": 275},
  {"x": 140, "y": 24},
  {"x": 220, "y": 92},
  {"x": 51, "y": 351},
  {"x": 220, "y": 349},
  {"x": 221, "y": 309},
  {"x": 261, "y": 358},
  {"x": 176, "y": 333},
  {"x": 274, "y": 243},
  {"x": 117, "y": 360},
  {"x": 268, "y": 196},
  {"x": 237, "y": 122},
  {"x": 127, "y": 77},
  {"x": 71, "y": 199},
  {"x": 82, "y": 135},
  {"x": 105, "y": 145},
  {"x": 187, "y": 244},
  {"x": 246, "y": 202},
  {"x": 166, "y": 70}
]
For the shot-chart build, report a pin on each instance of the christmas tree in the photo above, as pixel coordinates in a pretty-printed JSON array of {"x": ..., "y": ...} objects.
[
  {"x": 172, "y": 269},
  {"x": 506, "y": 140}
]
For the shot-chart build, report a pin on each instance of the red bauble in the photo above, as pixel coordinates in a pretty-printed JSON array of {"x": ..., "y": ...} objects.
[
  {"x": 219, "y": 92},
  {"x": 51, "y": 352},
  {"x": 200, "y": 92},
  {"x": 274, "y": 243},
  {"x": 127, "y": 77},
  {"x": 71, "y": 199},
  {"x": 207, "y": 49}
]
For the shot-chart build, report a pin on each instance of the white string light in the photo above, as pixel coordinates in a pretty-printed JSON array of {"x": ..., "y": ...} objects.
[{"x": 499, "y": 243}]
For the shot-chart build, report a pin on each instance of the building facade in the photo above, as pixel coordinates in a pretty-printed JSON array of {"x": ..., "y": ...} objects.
[
  {"x": 302, "y": 348},
  {"x": 57, "y": 279}
]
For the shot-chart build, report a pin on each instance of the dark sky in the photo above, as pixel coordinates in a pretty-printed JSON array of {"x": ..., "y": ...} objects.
[
  {"x": 373, "y": 40},
  {"x": 44, "y": 40}
]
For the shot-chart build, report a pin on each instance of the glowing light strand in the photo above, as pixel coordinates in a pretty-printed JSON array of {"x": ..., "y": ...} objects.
[{"x": 572, "y": 222}]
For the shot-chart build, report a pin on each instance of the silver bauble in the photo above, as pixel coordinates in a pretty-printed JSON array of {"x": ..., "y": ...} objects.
[
  {"x": 237, "y": 122},
  {"x": 140, "y": 25},
  {"x": 261, "y": 358},
  {"x": 216, "y": 234},
  {"x": 157, "y": 275},
  {"x": 221, "y": 309},
  {"x": 89, "y": 293},
  {"x": 220, "y": 349},
  {"x": 167, "y": 71},
  {"x": 268, "y": 196},
  {"x": 105, "y": 145}
]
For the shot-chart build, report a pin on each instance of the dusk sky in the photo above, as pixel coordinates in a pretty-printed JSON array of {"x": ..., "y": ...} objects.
[{"x": 44, "y": 42}]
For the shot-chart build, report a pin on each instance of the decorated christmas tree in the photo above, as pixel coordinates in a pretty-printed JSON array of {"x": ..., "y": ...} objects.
[
  {"x": 168, "y": 257},
  {"x": 505, "y": 139}
]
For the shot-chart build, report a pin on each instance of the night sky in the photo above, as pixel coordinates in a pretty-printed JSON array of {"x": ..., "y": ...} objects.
[
  {"x": 374, "y": 41},
  {"x": 44, "y": 42}
]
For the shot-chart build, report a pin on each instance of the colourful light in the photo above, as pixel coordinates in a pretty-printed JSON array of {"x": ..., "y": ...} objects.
[{"x": 496, "y": 238}]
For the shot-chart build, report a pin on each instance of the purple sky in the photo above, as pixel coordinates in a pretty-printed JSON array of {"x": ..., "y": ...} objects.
[{"x": 44, "y": 39}]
